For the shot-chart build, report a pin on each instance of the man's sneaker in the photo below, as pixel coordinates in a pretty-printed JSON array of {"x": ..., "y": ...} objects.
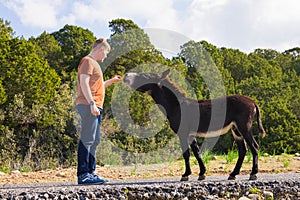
[
  {"x": 104, "y": 180},
  {"x": 89, "y": 179}
]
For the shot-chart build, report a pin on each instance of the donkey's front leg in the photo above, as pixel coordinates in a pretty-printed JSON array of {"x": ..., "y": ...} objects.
[
  {"x": 196, "y": 150},
  {"x": 186, "y": 155},
  {"x": 188, "y": 171}
]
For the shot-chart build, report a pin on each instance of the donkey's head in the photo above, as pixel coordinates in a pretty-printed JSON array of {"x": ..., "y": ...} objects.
[{"x": 145, "y": 82}]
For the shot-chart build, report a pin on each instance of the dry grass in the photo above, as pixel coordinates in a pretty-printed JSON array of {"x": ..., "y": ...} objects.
[{"x": 217, "y": 165}]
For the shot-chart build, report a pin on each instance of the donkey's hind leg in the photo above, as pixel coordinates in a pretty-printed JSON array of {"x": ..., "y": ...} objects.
[
  {"x": 251, "y": 142},
  {"x": 242, "y": 149},
  {"x": 195, "y": 149},
  {"x": 254, "y": 150}
]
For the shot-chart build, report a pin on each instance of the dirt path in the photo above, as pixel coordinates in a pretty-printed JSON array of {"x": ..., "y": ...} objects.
[{"x": 270, "y": 164}]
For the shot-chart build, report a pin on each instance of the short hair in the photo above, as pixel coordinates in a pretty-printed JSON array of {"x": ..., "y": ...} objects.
[{"x": 101, "y": 42}]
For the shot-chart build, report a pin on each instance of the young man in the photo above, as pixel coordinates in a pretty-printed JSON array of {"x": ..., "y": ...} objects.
[{"x": 89, "y": 102}]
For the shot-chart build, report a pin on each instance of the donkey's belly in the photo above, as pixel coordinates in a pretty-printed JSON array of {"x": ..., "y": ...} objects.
[{"x": 215, "y": 133}]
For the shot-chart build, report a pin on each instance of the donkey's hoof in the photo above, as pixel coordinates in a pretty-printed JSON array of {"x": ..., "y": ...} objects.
[
  {"x": 253, "y": 177},
  {"x": 201, "y": 177},
  {"x": 231, "y": 177},
  {"x": 184, "y": 178}
]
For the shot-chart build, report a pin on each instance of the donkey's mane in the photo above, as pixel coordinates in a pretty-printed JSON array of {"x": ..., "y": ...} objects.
[{"x": 168, "y": 83}]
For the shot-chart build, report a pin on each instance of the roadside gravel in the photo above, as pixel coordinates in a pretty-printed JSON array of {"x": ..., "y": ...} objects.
[{"x": 268, "y": 186}]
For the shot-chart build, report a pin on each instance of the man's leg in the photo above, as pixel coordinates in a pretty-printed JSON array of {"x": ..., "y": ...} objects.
[{"x": 87, "y": 137}]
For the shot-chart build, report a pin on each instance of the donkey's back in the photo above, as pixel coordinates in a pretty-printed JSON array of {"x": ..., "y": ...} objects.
[{"x": 214, "y": 117}]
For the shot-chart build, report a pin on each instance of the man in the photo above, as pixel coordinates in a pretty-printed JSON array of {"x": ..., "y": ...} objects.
[{"x": 89, "y": 102}]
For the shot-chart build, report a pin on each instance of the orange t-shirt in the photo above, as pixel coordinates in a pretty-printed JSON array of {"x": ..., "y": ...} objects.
[{"x": 89, "y": 66}]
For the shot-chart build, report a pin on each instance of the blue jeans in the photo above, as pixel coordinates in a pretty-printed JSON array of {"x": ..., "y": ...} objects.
[{"x": 89, "y": 139}]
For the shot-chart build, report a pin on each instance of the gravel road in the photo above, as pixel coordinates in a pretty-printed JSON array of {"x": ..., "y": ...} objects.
[{"x": 277, "y": 186}]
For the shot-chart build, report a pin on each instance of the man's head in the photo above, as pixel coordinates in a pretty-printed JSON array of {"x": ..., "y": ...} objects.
[
  {"x": 100, "y": 49},
  {"x": 101, "y": 43}
]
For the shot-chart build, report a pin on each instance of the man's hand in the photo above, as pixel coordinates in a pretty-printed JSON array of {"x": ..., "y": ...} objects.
[
  {"x": 94, "y": 110},
  {"x": 115, "y": 79}
]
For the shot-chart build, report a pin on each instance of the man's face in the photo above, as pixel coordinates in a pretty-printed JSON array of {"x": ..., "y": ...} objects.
[{"x": 102, "y": 53}]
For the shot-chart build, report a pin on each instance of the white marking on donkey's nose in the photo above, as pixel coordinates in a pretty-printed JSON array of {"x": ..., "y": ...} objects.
[
  {"x": 129, "y": 78},
  {"x": 130, "y": 74}
]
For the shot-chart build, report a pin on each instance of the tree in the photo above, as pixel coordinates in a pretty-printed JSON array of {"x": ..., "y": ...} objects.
[
  {"x": 294, "y": 52},
  {"x": 275, "y": 58},
  {"x": 130, "y": 48},
  {"x": 37, "y": 112},
  {"x": 203, "y": 74},
  {"x": 37, "y": 126},
  {"x": 49, "y": 49},
  {"x": 75, "y": 43},
  {"x": 5, "y": 30},
  {"x": 237, "y": 63},
  {"x": 6, "y": 33},
  {"x": 274, "y": 97},
  {"x": 218, "y": 61},
  {"x": 132, "y": 51},
  {"x": 26, "y": 73},
  {"x": 119, "y": 26}
]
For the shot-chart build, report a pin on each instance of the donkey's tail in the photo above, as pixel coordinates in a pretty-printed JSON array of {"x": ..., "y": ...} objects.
[{"x": 260, "y": 126}]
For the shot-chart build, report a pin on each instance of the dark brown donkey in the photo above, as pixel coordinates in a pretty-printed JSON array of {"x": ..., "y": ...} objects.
[{"x": 189, "y": 117}]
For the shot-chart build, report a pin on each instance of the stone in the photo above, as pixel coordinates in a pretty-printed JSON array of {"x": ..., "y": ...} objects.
[
  {"x": 214, "y": 158},
  {"x": 146, "y": 195},
  {"x": 244, "y": 198},
  {"x": 15, "y": 172},
  {"x": 254, "y": 196},
  {"x": 268, "y": 194},
  {"x": 61, "y": 174},
  {"x": 91, "y": 195}
]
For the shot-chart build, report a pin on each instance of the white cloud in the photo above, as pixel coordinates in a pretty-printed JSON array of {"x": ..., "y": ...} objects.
[
  {"x": 275, "y": 24},
  {"x": 245, "y": 25},
  {"x": 36, "y": 13},
  {"x": 150, "y": 12}
]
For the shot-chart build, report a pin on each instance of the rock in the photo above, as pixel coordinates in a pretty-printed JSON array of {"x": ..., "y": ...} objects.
[
  {"x": 244, "y": 198},
  {"x": 297, "y": 154},
  {"x": 28, "y": 196},
  {"x": 266, "y": 155},
  {"x": 222, "y": 166},
  {"x": 234, "y": 194},
  {"x": 214, "y": 158},
  {"x": 15, "y": 172},
  {"x": 61, "y": 174},
  {"x": 46, "y": 195},
  {"x": 254, "y": 196},
  {"x": 210, "y": 197},
  {"x": 214, "y": 190},
  {"x": 91, "y": 195},
  {"x": 268, "y": 194}
]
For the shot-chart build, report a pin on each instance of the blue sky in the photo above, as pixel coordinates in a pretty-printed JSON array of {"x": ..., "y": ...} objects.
[{"x": 238, "y": 24}]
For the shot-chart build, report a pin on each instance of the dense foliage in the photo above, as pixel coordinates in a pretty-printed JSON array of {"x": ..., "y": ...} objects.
[{"x": 39, "y": 123}]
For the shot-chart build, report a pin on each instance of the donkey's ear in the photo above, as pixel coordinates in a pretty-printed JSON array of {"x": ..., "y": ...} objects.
[{"x": 165, "y": 74}]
